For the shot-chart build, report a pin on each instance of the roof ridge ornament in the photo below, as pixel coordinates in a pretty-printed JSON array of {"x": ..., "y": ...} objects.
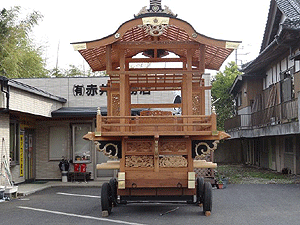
[{"x": 155, "y": 9}]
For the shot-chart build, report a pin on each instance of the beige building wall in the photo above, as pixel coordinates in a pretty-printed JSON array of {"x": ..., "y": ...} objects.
[
  {"x": 24, "y": 101},
  {"x": 46, "y": 168},
  {"x": 4, "y": 147}
]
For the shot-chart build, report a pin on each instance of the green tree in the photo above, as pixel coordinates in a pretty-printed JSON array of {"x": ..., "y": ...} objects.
[
  {"x": 75, "y": 71},
  {"x": 19, "y": 57},
  {"x": 223, "y": 102}
]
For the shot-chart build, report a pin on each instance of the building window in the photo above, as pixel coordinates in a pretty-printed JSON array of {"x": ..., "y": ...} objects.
[
  {"x": 58, "y": 143},
  {"x": 14, "y": 135},
  {"x": 239, "y": 99},
  {"x": 81, "y": 147}
]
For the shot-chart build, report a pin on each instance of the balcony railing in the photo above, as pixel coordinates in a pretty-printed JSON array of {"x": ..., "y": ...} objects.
[
  {"x": 282, "y": 113},
  {"x": 155, "y": 125},
  {"x": 239, "y": 121}
]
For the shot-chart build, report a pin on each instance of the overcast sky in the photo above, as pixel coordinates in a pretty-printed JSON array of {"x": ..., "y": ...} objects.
[{"x": 67, "y": 21}]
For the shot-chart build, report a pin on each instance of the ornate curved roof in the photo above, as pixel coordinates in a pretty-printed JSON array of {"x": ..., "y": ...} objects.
[{"x": 167, "y": 27}]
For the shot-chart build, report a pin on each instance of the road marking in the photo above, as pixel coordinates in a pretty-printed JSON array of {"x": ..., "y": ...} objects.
[
  {"x": 169, "y": 211},
  {"x": 79, "y": 216},
  {"x": 77, "y": 195}
]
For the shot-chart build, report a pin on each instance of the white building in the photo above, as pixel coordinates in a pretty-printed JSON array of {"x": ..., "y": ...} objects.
[{"x": 44, "y": 119}]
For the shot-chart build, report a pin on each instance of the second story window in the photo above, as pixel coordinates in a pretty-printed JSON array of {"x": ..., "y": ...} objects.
[{"x": 239, "y": 99}]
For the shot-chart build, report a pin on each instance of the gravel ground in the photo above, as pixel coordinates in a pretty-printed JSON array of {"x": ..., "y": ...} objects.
[{"x": 244, "y": 174}]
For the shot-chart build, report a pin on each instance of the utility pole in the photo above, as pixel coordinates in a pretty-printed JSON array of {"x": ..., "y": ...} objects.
[{"x": 240, "y": 54}]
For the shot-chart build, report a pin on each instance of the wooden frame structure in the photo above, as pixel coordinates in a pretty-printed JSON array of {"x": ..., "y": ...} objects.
[{"x": 157, "y": 151}]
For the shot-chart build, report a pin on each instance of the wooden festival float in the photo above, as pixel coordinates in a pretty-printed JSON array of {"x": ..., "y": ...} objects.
[{"x": 159, "y": 156}]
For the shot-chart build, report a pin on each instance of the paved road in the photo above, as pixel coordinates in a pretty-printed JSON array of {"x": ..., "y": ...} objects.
[{"x": 237, "y": 204}]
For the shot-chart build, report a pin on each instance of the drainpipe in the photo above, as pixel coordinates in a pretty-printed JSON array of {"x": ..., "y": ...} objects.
[{"x": 5, "y": 89}]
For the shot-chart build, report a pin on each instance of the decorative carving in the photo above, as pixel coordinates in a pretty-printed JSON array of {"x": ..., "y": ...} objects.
[
  {"x": 156, "y": 149},
  {"x": 154, "y": 30},
  {"x": 139, "y": 161},
  {"x": 155, "y": 7},
  {"x": 110, "y": 149},
  {"x": 202, "y": 146},
  {"x": 196, "y": 104},
  {"x": 171, "y": 147},
  {"x": 156, "y": 113},
  {"x": 167, "y": 10},
  {"x": 194, "y": 35},
  {"x": 172, "y": 161},
  {"x": 142, "y": 11},
  {"x": 116, "y": 104},
  {"x": 159, "y": 117},
  {"x": 144, "y": 147}
]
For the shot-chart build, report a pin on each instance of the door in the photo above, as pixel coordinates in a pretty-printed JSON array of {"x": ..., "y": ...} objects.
[
  {"x": 29, "y": 155},
  {"x": 297, "y": 155}
]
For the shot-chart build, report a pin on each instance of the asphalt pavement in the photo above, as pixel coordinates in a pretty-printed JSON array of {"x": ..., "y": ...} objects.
[{"x": 274, "y": 204}]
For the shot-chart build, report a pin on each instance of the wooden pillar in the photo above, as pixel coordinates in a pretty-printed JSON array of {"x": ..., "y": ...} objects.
[
  {"x": 213, "y": 123},
  {"x": 99, "y": 121},
  {"x": 189, "y": 87},
  {"x": 109, "y": 99},
  {"x": 108, "y": 71},
  {"x": 190, "y": 159},
  {"x": 108, "y": 59},
  {"x": 202, "y": 70},
  {"x": 189, "y": 82},
  {"x": 202, "y": 59},
  {"x": 183, "y": 92},
  {"x": 123, "y": 89},
  {"x": 128, "y": 88}
]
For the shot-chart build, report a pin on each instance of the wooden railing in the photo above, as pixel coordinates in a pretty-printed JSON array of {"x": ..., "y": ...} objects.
[
  {"x": 155, "y": 125},
  {"x": 281, "y": 113},
  {"x": 278, "y": 114},
  {"x": 239, "y": 121}
]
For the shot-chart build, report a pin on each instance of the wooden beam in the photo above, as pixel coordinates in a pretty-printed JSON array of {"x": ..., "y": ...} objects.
[
  {"x": 141, "y": 60},
  {"x": 151, "y": 133},
  {"x": 156, "y": 45},
  {"x": 157, "y": 71},
  {"x": 200, "y": 88},
  {"x": 139, "y": 106},
  {"x": 148, "y": 85}
]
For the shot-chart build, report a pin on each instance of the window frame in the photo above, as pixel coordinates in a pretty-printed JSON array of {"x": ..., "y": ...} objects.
[
  {"x": 89, "y": 160},
  {"x": 64, "y": 141},
  {"x": 14, "y": 142}
]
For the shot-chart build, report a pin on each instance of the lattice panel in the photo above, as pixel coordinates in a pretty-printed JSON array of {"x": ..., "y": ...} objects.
[{"x": 204, "y": 172}]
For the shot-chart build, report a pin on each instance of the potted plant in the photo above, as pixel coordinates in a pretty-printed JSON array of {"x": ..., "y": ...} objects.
[{"x": 220, "y": 184}]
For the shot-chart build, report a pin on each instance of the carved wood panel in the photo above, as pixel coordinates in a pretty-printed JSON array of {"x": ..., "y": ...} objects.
[
  {"x": 171, "y": 146},
  {"x": 115, "y": 104},
  {"x": 145, "y": 147},
  {"x": 143, "y": 161},
  {"x": 173, "y": 161},
  {"x": 197, "y": 103}
]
